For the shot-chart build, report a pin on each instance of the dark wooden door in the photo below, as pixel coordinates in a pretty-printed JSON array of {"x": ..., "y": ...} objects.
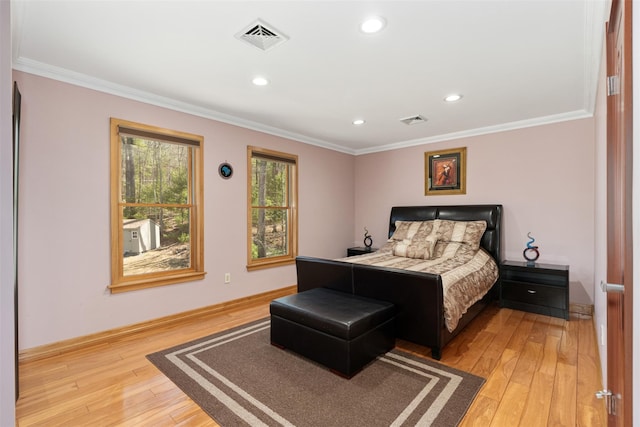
[{"x": 619, "y": 214}]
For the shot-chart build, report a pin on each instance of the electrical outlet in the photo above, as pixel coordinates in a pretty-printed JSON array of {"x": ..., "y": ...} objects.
[{"x": 227, "y": 277}]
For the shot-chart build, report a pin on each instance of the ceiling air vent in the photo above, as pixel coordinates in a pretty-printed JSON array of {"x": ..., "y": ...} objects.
[
  {"x": 413, "y": 120},
  {"x": 261, "y": 35}
]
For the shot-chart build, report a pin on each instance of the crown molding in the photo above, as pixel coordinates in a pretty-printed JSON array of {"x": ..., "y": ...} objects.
[
  {"x": 83, "y": 80},
  {"x": 503, "y": 127}
]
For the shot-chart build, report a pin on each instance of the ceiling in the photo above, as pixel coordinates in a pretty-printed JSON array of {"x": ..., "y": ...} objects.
[{"x": 516, "y": 63}]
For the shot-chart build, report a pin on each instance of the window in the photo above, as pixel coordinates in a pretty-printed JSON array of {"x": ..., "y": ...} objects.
[
  {"x": 272, "y": 208},
  {"x": 156, "y": 206}
]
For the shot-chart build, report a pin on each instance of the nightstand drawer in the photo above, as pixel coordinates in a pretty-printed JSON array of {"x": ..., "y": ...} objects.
[
  {"x": 531, "y": 293},
  {"x": 538, "y": 288}
]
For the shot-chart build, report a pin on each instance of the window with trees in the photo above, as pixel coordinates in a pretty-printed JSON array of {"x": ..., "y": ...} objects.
[
  {"x": 156, "y": 206},
  {"x": 272, "y": 208}
]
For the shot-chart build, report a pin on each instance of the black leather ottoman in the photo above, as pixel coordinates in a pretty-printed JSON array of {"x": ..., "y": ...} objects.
[{"x": 341, "y": 331}]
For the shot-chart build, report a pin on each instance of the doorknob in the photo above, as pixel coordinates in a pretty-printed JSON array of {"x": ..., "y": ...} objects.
[{"x": 611, "y": 287}]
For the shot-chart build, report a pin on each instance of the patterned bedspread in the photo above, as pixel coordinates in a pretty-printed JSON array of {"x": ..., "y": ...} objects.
[{"x": 467, "y": 275}]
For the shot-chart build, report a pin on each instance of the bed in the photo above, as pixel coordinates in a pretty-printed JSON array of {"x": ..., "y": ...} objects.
[{"x": 413, "y": 269}]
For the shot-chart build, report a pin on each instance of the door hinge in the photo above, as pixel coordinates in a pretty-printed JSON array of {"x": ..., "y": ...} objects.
[
  {"x": 610, "y": 400},
  {"x": 613, "y": 85}
]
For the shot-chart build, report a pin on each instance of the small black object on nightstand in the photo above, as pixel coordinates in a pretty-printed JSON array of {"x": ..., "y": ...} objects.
[
  {"x": 360, "y": 250},
  {"x": 538, "y": 288}
]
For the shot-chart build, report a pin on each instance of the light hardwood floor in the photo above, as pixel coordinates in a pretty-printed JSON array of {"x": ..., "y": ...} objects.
[{"x": 540, "y": 371}]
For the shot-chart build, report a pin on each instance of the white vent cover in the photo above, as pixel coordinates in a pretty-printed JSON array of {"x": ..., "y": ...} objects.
[
  {"x": 261, "y": 35},
  {"x": 413, "y": 120}
]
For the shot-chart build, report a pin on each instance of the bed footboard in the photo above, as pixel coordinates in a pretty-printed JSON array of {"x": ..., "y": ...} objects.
[
  {"x": 324, "y": 273},
  {"x": 417, "y": 296}
]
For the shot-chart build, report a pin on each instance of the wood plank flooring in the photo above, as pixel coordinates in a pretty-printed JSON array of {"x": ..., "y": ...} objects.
[{"x": 540, "y": 371}]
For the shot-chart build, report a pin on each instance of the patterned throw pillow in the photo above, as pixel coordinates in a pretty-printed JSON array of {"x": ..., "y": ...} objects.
[
  {"x": 455, "y": 237},
  {"x": 468, "y": 232},
  {"x": 415, "y": 248},
  {"x": 405, "y": 230},
  {"x": 414, "y": 239}
]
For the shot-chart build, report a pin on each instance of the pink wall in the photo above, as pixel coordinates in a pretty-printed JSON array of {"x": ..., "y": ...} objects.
[
  {"x": 64, "y": 213},
  {"x": 544, "y": 177}
]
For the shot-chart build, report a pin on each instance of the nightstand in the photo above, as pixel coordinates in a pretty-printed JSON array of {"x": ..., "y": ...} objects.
[
  {"x": 538, "y": 288},
  {"x": 360, "y": 250}
]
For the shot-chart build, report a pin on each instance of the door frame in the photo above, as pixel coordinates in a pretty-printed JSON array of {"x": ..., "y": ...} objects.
[{"x": 620, "y": 212}]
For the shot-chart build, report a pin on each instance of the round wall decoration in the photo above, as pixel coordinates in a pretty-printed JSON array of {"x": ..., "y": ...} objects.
[{"x": 225, "y": 170}]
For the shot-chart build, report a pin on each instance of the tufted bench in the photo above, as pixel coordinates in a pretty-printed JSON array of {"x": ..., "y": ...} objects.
[{"x": 341, "y": 331}]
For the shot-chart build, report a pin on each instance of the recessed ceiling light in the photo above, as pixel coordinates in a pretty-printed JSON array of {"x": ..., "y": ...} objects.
[
  {"x": 453, "y": 98},
  {"x": 260, "y": 81},
  {"x": 373, "y": 25},
  {"x": 358, "y": 122}
]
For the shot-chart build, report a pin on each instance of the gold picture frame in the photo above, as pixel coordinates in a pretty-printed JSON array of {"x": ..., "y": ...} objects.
[{"x": 445, "y": 172}]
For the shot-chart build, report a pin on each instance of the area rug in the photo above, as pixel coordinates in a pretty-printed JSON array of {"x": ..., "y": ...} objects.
[{"x": 239, "y": 378}]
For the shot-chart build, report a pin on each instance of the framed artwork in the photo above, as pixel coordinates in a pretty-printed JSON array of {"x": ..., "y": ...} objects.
[{"x": 445, "y": 172}]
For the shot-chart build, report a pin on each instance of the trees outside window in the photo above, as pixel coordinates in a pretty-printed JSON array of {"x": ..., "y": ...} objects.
[
  {"x": 156, "y": 206},
  {"x": 272, "y": 208}
]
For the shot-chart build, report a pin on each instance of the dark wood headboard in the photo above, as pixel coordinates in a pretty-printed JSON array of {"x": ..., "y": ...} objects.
[{"x": 492, "y": 214}]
